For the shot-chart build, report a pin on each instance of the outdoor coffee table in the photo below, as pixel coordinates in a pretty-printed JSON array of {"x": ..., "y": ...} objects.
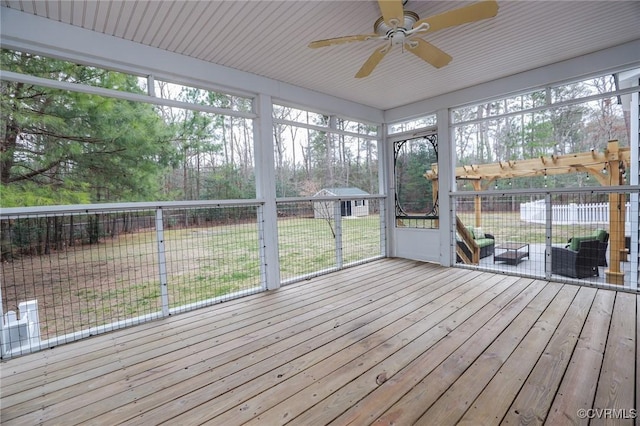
[{"x": 513, "y": 253}]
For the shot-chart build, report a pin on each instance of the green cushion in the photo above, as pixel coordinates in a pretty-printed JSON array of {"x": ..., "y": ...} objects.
[
  {"x": 470, "y": 230},
  {"x": 484, "y": 242},
  {"x": 575, "y": 242},
  {"x": 600, "y": 235}
]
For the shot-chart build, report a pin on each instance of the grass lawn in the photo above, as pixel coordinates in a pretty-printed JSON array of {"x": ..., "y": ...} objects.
[{"x": 307, "y": 245}]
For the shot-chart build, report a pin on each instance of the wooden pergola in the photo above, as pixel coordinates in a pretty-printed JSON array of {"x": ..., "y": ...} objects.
[{"x": 606, "y": 167}]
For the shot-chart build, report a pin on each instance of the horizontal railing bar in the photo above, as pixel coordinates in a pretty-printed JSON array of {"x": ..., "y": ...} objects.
[
  {"x": 566, "y": 280},
  {"x": 412, "y": 134},
  {"x": 549, "y": 106},
  {"x": 112, "y": 93},
  {"x": 329, "y": 198},
  {"x": 325, "y": 271},
  {"x": 584, "y": 190},
  {"x": 215, "y": 300},
  {"x": 14, "y": 212},
  {"x": 11, "y": 212},
  {"x": 325, "y": 129},
  {"x": 418, "y": 217},
  {"x": 310, "y": 275}
]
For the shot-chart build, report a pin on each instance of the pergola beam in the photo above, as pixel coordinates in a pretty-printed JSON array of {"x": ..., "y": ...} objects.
[
  {"x": 592, "y": 162},
  {"x": 607, "y": 168}
]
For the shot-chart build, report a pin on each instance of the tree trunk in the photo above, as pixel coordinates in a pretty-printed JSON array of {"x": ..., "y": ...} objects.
[
  {"x": 57, "y": 232},
  {"x": 114, "y": 226},
  {"x": 185, "y": 176},
  {"x": 8, "y": 146},
  {"x": 93, "y": 229},
  {"x": 71, "y": 231},
  {"x": 39, "y": 236},
  {"x": 197, "y": 194},
  {"x": 6, "y": 252}
]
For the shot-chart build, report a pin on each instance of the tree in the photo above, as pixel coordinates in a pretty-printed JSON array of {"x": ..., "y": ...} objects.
[
  {"x": 62, "y": 141},
  {"x": 414, "y": 192}
]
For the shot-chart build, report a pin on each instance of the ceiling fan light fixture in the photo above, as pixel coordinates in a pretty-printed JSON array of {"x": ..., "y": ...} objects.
[
  {"x": 403, "y": 28},
  {"x": 381, "y": 27}
]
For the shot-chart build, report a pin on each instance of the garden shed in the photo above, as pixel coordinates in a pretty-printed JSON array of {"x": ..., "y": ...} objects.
[{"x": 350, "y": 204}]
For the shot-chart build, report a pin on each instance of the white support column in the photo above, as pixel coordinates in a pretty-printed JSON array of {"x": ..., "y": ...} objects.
[
  {"x": 446, "y": 184},
  {"x": 332, "y": 140},
  {"x": 162, "y": 263},
  {"x": 387, "y": 179},
  {"x": 266, "y": 190},
  {"x": 383, "y": 188},
  {"x": 634, "y": 179}
]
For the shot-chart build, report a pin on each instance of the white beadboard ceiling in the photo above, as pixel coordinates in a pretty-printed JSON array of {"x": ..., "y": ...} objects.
[{"x": 269, "y": 38}]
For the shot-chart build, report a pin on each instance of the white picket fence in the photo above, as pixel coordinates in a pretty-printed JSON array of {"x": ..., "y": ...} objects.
[{"x": 569, "y": 214}]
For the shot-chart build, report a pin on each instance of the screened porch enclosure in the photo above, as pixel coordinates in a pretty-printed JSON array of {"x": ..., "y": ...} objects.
[{"x": 251, "y": 235}]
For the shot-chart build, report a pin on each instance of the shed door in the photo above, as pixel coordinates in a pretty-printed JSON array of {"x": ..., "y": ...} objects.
[{"x": 345, "y": 208}]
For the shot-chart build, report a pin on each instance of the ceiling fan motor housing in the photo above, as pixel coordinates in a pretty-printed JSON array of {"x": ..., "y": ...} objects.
[{"x": 381, "y": 27}]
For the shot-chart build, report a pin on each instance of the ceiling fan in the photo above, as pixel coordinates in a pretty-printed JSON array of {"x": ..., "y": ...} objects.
[{"x": 399, "y": 27}]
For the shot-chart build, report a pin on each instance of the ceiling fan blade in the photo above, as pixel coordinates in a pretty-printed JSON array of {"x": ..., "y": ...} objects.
[
  {"x": 373, "y": 61},
  {"x": 340, "y": 40},
  {"x": 428, "y": 52},
  {"x": 463, "y": 15},
  {"x": 392, "y": 11}
]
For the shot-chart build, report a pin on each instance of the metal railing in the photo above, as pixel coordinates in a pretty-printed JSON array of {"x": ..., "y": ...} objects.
[
  {"x": 323, "y": 234},
  {"x": 515, "y": 246},
  {"x": 84, "y": 270},
  {"x": 69, "y": 272}
]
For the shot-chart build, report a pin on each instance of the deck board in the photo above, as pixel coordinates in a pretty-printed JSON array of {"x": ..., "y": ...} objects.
[
  {"x": 344, "y": 398},
  {"x": 454, "y": 403},
  {"x": 390, "y": 341},
  {"x": 616, "y": 387},
  {"x": 577, "y": 390},
  {"x": 494, "y": 401},
  {"x": 411, "y": 407},
  {"x": 534, "y": 399}
]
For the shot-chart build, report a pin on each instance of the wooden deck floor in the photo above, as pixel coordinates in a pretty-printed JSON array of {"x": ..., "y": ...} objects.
[{"x": 397, "y": 341}]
